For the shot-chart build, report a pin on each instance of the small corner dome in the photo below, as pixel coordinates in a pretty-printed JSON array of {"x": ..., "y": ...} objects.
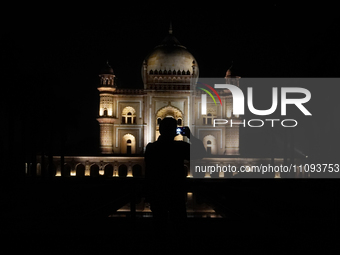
[
  {"x": 170, "y": 55},
  {"x": 107, "y": 69}
]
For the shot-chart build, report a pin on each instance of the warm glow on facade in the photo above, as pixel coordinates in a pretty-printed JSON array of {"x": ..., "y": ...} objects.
[{"x": 129, "y": 118}]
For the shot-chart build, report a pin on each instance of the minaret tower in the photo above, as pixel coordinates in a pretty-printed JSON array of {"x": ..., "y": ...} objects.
[{"x": 106, "y": 119}]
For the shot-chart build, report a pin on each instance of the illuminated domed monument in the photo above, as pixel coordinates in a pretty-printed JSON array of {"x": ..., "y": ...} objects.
[{"x": 129, "y": 118}]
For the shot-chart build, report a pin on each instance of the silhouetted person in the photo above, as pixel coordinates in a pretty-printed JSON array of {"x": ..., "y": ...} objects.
[{"x": 165, "y": 172}]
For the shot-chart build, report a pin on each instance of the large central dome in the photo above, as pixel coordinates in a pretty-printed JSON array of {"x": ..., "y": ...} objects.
[{"x": 170, "y": 57}]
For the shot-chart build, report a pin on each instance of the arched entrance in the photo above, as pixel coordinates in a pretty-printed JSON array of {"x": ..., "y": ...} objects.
[
  {"x": 137, "y": 170},
  {"x": 94, "y": 170},
  {"x": 67, "y": 170},
  {"x": 122, "y": 171},
  {"x": 169, "y": 111},
  {"x": 80, "y": 170},
  {"x": 128, "y": 144},
  {"x": 210, "y": 144},
  {"x": 108, "y": 170}
]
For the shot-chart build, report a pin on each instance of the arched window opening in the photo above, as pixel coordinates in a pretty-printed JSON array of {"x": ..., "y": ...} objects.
[
  {"x": 80, "y": 170},
  {"x": 210, "y": 144},
  {"x": 209, "y": 147},
  {"x": 129, "y": 118},
  {"x": 108, "y": 170},
  {"x": 128, "y": 147},
  {"x": 67, "y": 170},
  {"x": 129, "y": 115},
  {"x": 179, "y": 122},
  {"x": 208, "y": 119},
  {"x": 94, "y": 170},
  {"x": 122, "y": 171},
  {"x": 137, "y": 171}
]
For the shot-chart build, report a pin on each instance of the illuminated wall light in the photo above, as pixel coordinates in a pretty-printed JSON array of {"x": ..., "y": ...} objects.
[
  {"x": 73, "y": 172},
  {"x": 87, "y": 169},
  {"x": 277, "y": 175},
  {"x": 207, "y": 175},
  {"x": 189, "y": 195},
  {"x": 221, "y": 174},
  {"x": 101, "y": 172},
  {"x": 189, "y": 173},
  {"x": 249, "y": 169}
]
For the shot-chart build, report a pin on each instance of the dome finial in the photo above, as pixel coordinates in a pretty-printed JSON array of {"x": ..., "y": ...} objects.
[
  {"x": 228, "y": 73},
  {"x": 232, "y": 63},
  {"x": 107, "y": 69},
  {"x": 170, "y": 28}
]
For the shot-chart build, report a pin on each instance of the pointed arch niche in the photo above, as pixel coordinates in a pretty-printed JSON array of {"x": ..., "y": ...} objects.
[
  {"x": 210, "y": 144},
  {"x": 128, "y": 145},
  {"x": 129, "y": 115},
  {"x": 169, "y": 111}
]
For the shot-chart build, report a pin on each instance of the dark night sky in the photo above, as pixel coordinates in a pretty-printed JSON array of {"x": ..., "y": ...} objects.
[{"x": 52, "y": 56}]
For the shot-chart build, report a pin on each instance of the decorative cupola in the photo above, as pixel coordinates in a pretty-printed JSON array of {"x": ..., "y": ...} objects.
[{"x": 170, "y": 66}]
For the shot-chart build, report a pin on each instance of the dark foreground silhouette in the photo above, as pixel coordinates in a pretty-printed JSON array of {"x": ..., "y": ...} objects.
[{"x": 165, "y": 172}]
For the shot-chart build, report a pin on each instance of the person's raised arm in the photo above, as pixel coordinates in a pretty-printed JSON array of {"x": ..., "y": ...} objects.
[{"x": 197, "y": 150}]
